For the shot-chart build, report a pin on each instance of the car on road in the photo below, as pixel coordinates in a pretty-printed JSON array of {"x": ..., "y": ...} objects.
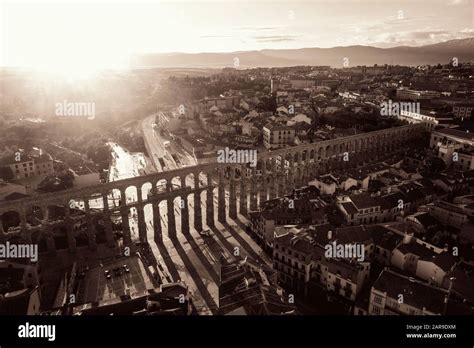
[{"x": 206, "y": 233}]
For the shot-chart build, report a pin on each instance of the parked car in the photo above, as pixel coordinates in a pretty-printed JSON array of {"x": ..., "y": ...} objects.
[{"x": 205, "y": 233}]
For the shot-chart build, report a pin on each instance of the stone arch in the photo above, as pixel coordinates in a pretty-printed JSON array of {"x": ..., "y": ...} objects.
[
  {"x": 145, "y": 189},
  {"x": 288, "y": 160},
  {"x": 175, "y": 182},
  {"x": 241, "y": 170},
  {"x": 161, "y": 185},
  {"x": 328, "y": 151},
  {"x": 349, "y": 146},
  {"x": 304, "y": 156},
  {"x": 267, "y": 164},
  {"x": 189, "y": 180},
  {"x": 211, "y": 176},
  {"x": 54, "y": 212},
  {"x": 37, "y": 212},
  {"x": 382, "y": 140},
  {"x": 306, "y": 173},
  {"x": 113, "y": 198},
  {"x": 298, "y": 175},
  {"x": 96, "y": 201},
  {"x": 11, "y": 220},
  {"x": 203, "y": 178},
  {"x": 370, "y": 143},
  {"x": 296, "y": 157},
  {"x": 280, "y": 160},
  {"x": 131, "y": 194},
  {"x": 360, "y": 145},
  {"x": 37, "y": 237},
  {"x": 342, "y": 149},
  {"x": 268, "y": 180}
]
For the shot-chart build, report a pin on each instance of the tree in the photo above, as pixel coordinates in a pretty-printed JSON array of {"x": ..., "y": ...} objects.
[
  {"x": 6, "y": 173},
  {"x": 335, "y": 216},
  {"x": 436, "y": 164},
  {"x": 67, "y": 178},
  {"x": 268, "y": 103}
]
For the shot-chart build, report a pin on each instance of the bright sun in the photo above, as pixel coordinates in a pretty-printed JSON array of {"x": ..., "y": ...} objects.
[{"x": 68, "y": 72}]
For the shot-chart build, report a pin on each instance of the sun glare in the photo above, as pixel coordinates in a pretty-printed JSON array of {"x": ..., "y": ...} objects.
[{"x": 67, "y": 72}]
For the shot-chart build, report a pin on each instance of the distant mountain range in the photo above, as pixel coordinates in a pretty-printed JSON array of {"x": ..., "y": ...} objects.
[{"x": 462, "y": 49}]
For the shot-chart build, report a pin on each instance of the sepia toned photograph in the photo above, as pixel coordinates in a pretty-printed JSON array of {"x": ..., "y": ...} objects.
[{"x": 236, "y": 159}]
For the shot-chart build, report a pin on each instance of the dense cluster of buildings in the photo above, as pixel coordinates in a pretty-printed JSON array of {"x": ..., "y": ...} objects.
[
  {"x": 392, "y": 234},
  {"x": 286, "y": 111},
  {"x": 411, "y": 214},
  {"x": 415, "y": 225},
  {"x": 29, "y": 171}
]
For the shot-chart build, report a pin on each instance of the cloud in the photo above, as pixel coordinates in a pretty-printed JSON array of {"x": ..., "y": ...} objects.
[
  {"x": 213, "y": 36},
  {"x": 258, "y": 28},
  {"x": 417, "y": 38},
  {"x": 391, "y": 22},
  {"x": 457, "y": 2},
  {"x": 276, "y": 38}
]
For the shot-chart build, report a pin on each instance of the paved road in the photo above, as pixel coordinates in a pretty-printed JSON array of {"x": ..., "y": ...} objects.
[{"x": 156, "y": 146}]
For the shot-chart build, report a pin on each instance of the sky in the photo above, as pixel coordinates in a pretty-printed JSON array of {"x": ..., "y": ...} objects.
[{"x": 67, "y": 35}]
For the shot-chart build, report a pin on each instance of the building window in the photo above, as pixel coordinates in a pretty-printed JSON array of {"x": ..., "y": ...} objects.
[
  {"x": 376, "y": 310},
  {"x": 378, "y": 299}
]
